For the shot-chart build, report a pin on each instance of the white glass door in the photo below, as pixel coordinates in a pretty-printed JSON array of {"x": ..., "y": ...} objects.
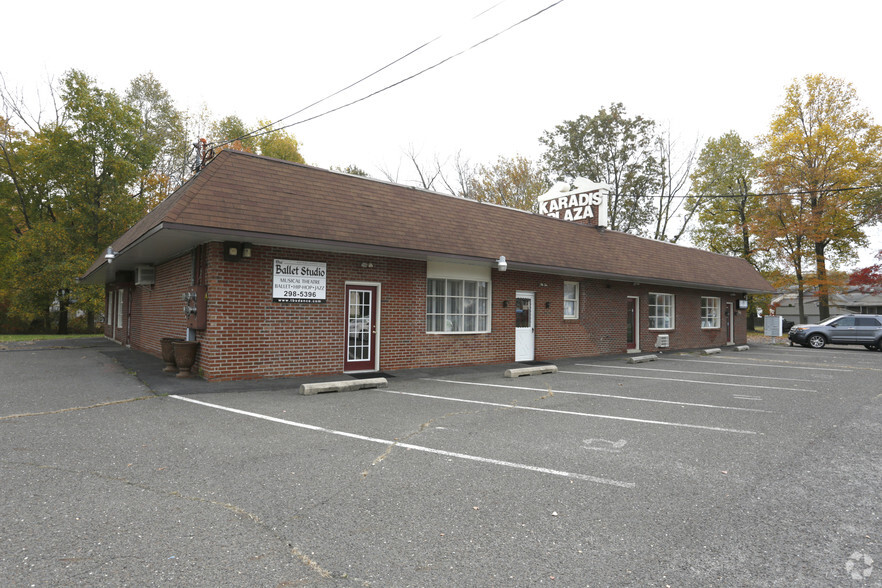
[{"x": 525, "y": 322}]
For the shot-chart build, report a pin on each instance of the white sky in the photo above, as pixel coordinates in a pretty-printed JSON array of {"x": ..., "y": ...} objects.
[{"x": 701, "y": 67}]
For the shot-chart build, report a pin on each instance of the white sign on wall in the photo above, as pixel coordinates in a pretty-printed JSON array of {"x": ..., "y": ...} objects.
[
  {"x": 299, "y": 281},
  {"x": 575, "y": 204}
]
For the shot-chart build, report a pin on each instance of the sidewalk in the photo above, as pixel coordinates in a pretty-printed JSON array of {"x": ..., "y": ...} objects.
[
  {"x": 760, "y": 339},
  {"x": 148, "y": 368}
]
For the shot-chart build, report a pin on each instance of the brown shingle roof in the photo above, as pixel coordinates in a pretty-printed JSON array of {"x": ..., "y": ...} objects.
[{"x": 247, "y": 193}]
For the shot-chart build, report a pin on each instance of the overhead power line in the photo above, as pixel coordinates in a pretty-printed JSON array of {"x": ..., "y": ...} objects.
[
  {"x": 355, "y": 83},
  {"x": 789, "y": 194},
  {"x": 265, "y": 130}
]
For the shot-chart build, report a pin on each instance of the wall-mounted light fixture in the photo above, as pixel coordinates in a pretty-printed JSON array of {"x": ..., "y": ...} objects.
[
  {"x": 234, "y": 251},
  {"x": 501, "y": 264},
  {"x": 110, "y": 255},
  {"x": 547, "y": 304},
  {"x": 505, "y": 304}
]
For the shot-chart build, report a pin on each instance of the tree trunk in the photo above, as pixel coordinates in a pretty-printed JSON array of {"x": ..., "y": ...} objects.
[
  {"x": 823, "y": 285},
  {"x": 62, "y": 317},
  {"x": 800, "y": 297}
]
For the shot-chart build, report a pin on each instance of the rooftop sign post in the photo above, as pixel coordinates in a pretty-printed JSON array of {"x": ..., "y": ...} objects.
[{"x": 577, "y": 205}]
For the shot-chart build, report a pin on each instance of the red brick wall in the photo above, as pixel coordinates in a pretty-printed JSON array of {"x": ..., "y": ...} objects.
[
  {"x": 157, "y": 311},
  {"x": 250, "y": 336}
]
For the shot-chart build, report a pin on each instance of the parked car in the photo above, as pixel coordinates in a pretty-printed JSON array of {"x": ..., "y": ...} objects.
[{"x": 849, "y": 329}]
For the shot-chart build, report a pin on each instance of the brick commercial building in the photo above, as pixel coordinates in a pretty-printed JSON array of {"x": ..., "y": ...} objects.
[{"x": 287, "y": 269}]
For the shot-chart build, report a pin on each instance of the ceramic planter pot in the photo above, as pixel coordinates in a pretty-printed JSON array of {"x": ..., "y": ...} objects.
[
  {"x": 168, "y": 354},
  {"x": 185, "y": 356}
]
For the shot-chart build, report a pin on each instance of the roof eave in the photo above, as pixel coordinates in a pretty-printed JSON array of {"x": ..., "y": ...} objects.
[{"x": 144, "y": 251}]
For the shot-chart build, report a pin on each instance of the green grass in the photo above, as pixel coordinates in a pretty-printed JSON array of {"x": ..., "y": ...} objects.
[{"x": 7, "y": 338}]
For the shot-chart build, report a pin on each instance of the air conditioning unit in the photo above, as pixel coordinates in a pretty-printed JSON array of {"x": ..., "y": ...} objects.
[
  {"x": 663, "y": 341},
  {"x": 145, "y": 275}
]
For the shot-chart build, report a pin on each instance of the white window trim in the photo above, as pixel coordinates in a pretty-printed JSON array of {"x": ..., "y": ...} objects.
[
  {"x": 575, "y": 315},
  {"x": 719, "y": 309},
  {"x": 649, "y": 313},
  {"x": 120, "y": 304}
]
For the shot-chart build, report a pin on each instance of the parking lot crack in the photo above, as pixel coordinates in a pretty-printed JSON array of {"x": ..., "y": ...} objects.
[
  {"x": 296, "y": 552},
  {"x": 74, "y": 408},
  {"x": 411, "y": 435}
]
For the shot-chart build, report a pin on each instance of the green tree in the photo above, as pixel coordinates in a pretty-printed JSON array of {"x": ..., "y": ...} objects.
[
  {"x": 279, "y": 144},
  {"x": 70, "y": 187},
  {"x": 231, "y": 132},
  {"x": 97, "y": 159},
  {"x": 352, "y": 170},
  {"x": 821, "y": 145},
  {"x": 611, "y": 148},
  {"x": 724, "y": 179},
  {"x": 164, "y": 127},
  {"x": 515, "y": 182}
]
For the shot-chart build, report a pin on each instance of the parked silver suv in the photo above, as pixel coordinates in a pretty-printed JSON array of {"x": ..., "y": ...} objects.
[{"x": 849, "y": 329}]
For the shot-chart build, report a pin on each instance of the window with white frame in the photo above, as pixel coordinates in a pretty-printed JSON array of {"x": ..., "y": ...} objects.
[
  {"x": 457, "y": 306},
  {"x": 661, "y": 311},
  {"x": 571, "y": 300},
  {"x": 710, "y": 312},
  {"x": 119, "y": 308}
]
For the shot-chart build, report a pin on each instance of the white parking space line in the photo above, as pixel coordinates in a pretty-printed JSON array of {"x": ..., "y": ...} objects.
[
  {"x": 688, "y": 381},
  {"x": 624, "y": 367},
  {"x": 598, "y": 394},
  {"x": 748, "y": 364},
  {"x": 574, "y": 413},
  {"x": 387, "y": 442}
]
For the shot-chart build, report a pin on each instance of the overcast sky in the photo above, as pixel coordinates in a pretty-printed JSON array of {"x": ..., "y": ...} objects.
[{"x": 703, "y": 68}]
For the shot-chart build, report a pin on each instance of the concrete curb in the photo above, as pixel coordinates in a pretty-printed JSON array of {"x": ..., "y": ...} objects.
[
  {"x": 344, "y": 386},
  {"x": 642, "y": 358},
  {"x": 713, "y": 351},
  {"x": 530, "y": 371},
  {"x": 742, "y": 348}
]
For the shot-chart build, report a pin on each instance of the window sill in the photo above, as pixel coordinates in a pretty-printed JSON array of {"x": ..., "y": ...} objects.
[{"x": 458, "y": 332}]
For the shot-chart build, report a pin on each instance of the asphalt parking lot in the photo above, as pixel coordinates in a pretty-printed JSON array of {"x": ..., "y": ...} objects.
[{"x": 759, "y": 468}]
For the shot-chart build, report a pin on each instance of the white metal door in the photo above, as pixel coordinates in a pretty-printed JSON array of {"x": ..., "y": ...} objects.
[{"x": 525, "y": 322}]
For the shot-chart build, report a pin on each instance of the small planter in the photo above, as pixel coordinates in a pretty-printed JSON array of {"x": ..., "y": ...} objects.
[
  {"x": 168, "y": 354},
  {"x": 185, "y": 356}
]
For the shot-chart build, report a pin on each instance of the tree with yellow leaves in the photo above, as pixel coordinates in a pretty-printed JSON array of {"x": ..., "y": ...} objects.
[{"x": 822, "y": 158}]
